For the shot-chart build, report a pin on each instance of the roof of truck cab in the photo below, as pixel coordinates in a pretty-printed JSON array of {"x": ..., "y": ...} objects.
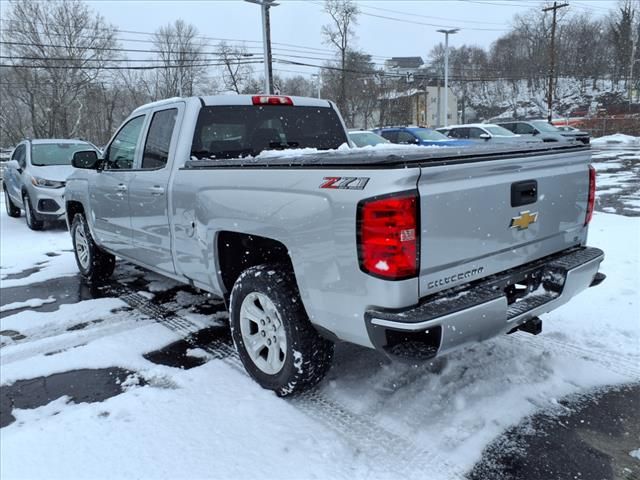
[
  {"x": 230, "y": 100},
  {"x": 248, "y": 100}
]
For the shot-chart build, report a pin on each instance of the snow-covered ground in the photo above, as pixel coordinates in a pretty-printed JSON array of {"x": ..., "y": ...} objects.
[{"x": 368, "y": 419}]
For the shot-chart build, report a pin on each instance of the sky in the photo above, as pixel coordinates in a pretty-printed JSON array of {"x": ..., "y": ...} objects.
[{"x": 298, "y": 24}]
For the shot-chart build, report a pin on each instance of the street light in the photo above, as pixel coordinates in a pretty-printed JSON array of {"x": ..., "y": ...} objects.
[
  {"x": 446, "y": 32},
  {"x": 266, "y": 42}
]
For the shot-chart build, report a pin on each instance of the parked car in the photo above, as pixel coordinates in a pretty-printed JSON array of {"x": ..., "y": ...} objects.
[
  {"x": 483, "y": 133},
  {"x": 35, "y": 177},
  {"x": 538, "y": 129},
  {"x": 419, "y": 136},
  {"x": 365, "y": 138},
  {"x": 401, "y": 252},
  {"x": 572, "y": 133}
]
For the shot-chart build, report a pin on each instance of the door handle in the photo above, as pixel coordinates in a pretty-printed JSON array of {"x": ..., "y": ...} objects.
[
  {"x": 157, "y": 190},
  {"x": 121, "y": 188}
]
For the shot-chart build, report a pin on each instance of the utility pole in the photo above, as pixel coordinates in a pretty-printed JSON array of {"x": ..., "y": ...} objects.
[
  {"x": 318, "y": 83},
  {"x": 266, "y": 42},
  {"x": 552, "y": 54},
  {"x": 446, "y": 71}
]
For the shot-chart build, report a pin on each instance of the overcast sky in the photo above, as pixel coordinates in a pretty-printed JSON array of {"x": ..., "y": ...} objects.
[{"x": 298, "y": 23}]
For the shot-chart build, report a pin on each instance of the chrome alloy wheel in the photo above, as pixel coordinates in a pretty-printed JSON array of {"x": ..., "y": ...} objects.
[
  {"x": 263, "y": 333},
  {"x": 82, "y": 247}
]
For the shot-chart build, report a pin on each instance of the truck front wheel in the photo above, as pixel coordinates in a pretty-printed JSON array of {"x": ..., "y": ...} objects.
[
  {"x": 94, "y": 263},
  {"x": 276, "y": 342}
]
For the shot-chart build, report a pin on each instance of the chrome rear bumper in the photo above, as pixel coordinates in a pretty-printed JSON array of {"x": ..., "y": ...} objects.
[{"x": 486, "y": 308}]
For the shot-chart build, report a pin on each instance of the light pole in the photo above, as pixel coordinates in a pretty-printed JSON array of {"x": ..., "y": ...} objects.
[
  {"x": 318, "y": 82},
  {"x": 266, "y": 42},
  {"x": 448, "y": 32}
]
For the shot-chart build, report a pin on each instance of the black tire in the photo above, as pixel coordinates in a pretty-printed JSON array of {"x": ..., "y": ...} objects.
[
  {"x": 307, "y": 356},
  {"x": 97, "y": 265},
  {"x": 33, "y": 222},
  {"x": 12, "y": 210}
]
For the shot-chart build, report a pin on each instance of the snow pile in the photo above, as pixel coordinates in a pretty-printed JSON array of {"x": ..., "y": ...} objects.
[{"x": 618, "y": 139}]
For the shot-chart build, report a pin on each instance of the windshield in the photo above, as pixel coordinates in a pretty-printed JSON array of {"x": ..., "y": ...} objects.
[
  {"x": 432, "y": 135},
  {"x": 238, "y": 131},
  {"x": 46, "y": 154},
  {"x": 544, "y": 126},
  {"x": 497, "y": 130},
  {"x": 364, "y": 139}
]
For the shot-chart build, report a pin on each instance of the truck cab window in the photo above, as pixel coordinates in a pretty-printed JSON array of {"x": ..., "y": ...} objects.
[
  {"x": 122, "y": 151},
  {"x": 237, "y": 131},
  {"x": 156, "y": 148}
]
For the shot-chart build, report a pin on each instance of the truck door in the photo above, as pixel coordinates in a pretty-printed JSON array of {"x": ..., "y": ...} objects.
[
  {"x": 109, "y": 197},
  {"x": 148, "y": 194}
]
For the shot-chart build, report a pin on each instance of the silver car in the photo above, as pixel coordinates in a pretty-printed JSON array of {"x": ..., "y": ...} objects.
[{"x": 35, "y": 177}]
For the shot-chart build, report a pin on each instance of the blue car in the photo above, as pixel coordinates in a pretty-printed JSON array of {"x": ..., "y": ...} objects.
[{"x": 420, "y": 136}]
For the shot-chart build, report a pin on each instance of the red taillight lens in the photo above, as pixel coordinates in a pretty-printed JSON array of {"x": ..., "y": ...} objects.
[
  {"x": 271, "y": 100},
  {"x": 592, "y": 194},
  {"x": 389, "y": 237}
]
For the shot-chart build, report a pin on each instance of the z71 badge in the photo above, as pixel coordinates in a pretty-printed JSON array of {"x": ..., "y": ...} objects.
[{"x": 345, "y": 183}]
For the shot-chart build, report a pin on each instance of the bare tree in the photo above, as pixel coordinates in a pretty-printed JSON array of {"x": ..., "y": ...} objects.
[
  {"x": 236, "y": 69},
  {"x": 57, "y": 49},
  {"x": 344, "y": 15},
  {"x": 181, "y": 53}
]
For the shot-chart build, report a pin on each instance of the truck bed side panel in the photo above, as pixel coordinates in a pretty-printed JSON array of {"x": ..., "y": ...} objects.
[{"x": 316, "y": 225}]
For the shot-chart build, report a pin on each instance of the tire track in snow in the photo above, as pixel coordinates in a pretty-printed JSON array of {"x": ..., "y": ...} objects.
[
  {"x": 391, "y": 454},
  {"x": 620, "y": 364}
]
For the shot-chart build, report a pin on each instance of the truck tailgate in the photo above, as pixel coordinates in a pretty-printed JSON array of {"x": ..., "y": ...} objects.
[{"x": 483, "y": 217}]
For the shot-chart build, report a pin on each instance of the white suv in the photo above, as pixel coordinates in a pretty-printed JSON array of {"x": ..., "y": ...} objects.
[{"x": 35, "y": 177}]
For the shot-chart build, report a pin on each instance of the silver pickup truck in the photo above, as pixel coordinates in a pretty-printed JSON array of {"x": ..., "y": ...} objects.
[{"x": 259, "y": 199}]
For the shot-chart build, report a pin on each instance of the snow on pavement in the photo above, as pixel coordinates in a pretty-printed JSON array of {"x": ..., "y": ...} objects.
[{"x": 213, "y": 421}]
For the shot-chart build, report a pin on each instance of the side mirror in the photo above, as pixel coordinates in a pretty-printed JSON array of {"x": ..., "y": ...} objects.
[
  {"x": 87, "y": 159},
  {"x": 486, "y": 136},
  {"x": 13, "y": 164},
  {"x": 535, "y": 132},
  {"x": 416, "y": 141}
]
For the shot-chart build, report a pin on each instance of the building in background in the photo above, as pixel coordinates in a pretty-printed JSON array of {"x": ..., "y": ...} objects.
[{"x": 413, "y": 106}]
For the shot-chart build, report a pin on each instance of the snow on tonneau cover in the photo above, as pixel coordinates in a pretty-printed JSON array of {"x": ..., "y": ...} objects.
[{"x": 480, "y": 216}]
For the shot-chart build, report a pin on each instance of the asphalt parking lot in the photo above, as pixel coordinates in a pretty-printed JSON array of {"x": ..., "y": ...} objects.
[{"x": 586, "y": 434}]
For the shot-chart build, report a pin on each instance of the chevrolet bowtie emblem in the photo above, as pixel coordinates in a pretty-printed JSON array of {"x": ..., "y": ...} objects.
[{"x": 523, "y": 221}]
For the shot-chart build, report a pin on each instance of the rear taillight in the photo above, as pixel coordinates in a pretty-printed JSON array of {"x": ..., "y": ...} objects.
[
  {"x": 389, "y": 236},
  {"x": 271, "y": 100},
  {"x": 592, "y": 194}
]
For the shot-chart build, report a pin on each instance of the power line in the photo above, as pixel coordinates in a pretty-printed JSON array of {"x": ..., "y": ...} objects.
[
  {"x": 415, "y": 22},
  {"x": 456, "y": 20}
]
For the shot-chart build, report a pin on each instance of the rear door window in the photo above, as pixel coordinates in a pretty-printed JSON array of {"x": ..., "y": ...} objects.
[
  {"x": 390, "y": 135},
  {"x": 243, "y": 130},
  {"x": 475, "y": 132},
  {"x": 156, "y": 148},
  {"x": 525, "y": 129},
  {"x": 406, "y": 137}
]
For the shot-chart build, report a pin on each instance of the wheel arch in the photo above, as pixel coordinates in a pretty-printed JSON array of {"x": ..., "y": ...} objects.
[
  {"x": 73, "y": 207},
  {"x": 251, "y": 250}
]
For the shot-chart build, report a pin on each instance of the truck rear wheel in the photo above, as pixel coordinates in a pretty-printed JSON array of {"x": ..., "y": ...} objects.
[
  {"x": 94, "y": 263},
  {"x": 12, "y": 210},
  {"x": 276, "y": 342}
]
